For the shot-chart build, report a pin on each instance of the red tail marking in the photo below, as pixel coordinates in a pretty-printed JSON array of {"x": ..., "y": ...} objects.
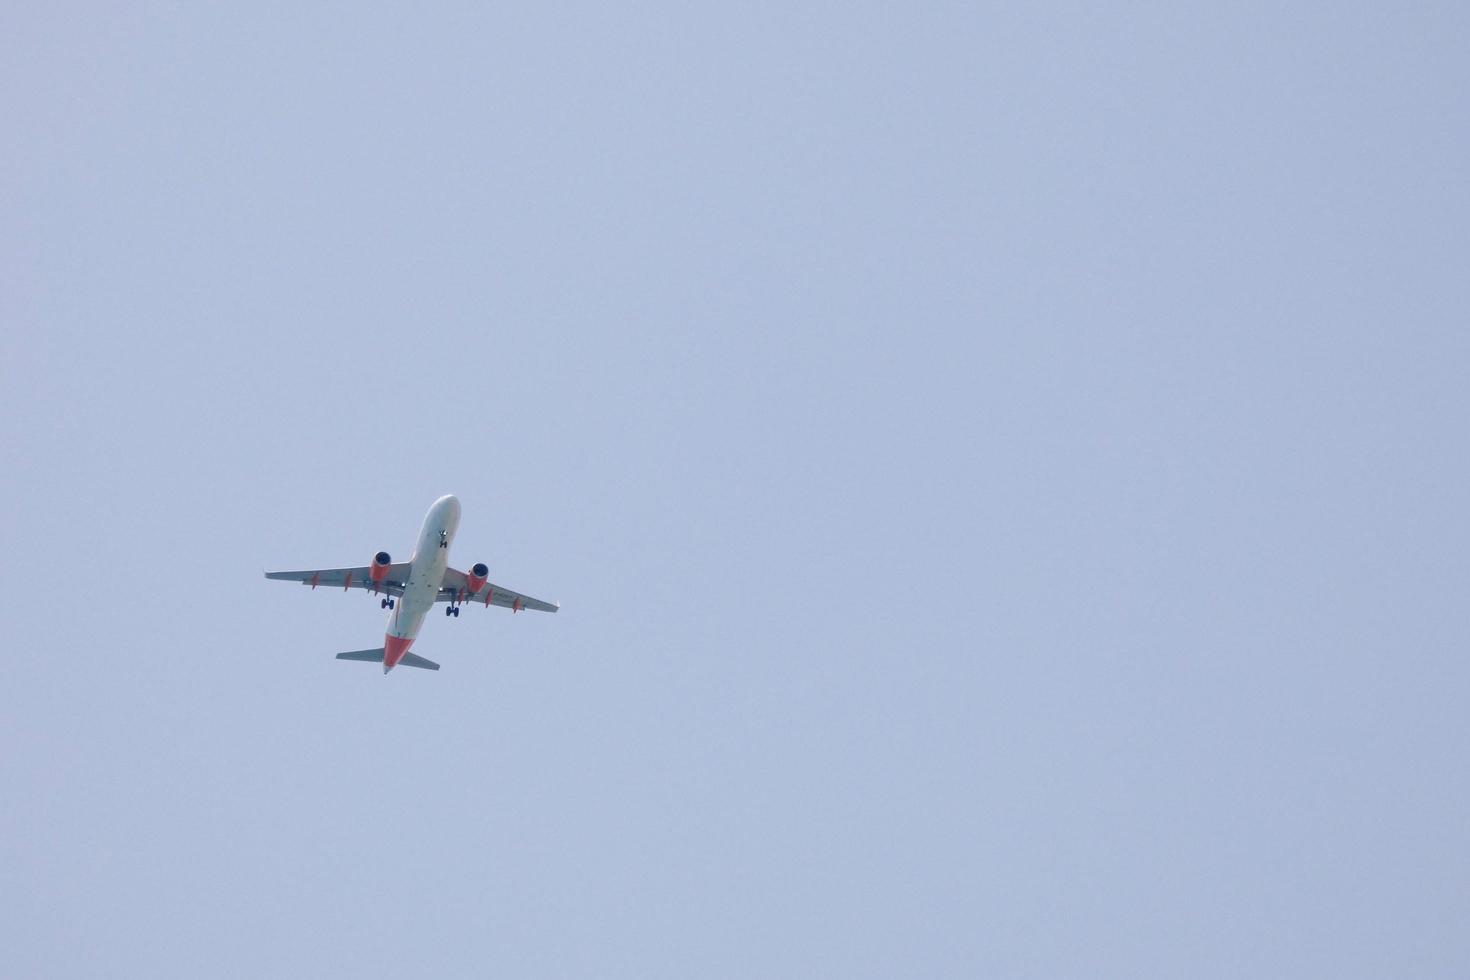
[{"x": 394, "y": 647}]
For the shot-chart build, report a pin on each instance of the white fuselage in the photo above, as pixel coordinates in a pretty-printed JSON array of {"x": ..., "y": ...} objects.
[{"x": 426, "y": 569}]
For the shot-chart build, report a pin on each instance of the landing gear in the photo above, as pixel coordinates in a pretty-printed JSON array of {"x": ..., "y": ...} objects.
[
  {"x": 389, "y": 603},
  {"x": 451, "y": 611}
]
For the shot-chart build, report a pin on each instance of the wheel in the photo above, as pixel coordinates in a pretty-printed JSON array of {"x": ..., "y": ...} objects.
[{"x": 385, "y": 603}]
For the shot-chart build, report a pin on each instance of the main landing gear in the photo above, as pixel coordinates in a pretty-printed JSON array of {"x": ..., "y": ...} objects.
[{"x": 389, "y": 603}]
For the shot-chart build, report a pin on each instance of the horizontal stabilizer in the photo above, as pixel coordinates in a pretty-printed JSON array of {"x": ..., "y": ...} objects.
[
  {"x": 375, "y": 656},
  {"x": 368, "y": 656}
]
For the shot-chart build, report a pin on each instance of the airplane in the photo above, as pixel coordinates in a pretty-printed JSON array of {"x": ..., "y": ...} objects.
[{"x": 410, "y": 589}]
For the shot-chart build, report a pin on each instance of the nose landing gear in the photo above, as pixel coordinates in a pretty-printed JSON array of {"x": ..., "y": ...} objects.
[
  {"x": 451, "y": 611},
  {"x": 389, "y": 603}
]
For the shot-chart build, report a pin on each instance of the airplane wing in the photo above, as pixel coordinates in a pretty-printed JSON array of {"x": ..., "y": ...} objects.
[
  {"x": 456, "y": 588},
  {"x": 349, "y": 578}
]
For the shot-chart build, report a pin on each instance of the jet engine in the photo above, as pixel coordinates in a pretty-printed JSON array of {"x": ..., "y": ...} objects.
[
  {"x": 379, "y": 568},
  {"x": 475, "y": 580}
]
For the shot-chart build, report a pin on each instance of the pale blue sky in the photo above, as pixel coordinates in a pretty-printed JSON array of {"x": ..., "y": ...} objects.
[{"x": 1003, "y": 467}]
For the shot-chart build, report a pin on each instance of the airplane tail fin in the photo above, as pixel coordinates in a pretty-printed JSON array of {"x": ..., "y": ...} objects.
[{"x": 375, "y": 656}]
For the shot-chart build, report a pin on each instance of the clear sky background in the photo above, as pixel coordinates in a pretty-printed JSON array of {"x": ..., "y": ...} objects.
[{"x": 1003, "y": 467}]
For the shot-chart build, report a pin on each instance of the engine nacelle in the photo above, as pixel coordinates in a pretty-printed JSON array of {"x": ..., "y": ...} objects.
[
  {"x": 475, "y": 580},
  {"x": 378, "y": 570}
]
